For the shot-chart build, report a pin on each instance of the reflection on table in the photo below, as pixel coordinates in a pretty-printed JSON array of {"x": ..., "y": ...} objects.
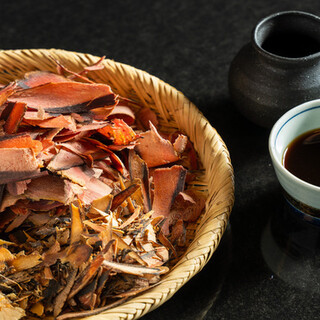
[{"x": 290, "y": 246}]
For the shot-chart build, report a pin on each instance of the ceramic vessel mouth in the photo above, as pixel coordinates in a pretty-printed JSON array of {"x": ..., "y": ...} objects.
[{"x": 288, "y": 36}]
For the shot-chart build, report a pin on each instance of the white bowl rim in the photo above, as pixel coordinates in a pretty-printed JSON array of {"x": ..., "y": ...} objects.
[{"x": 275, "y": 131}]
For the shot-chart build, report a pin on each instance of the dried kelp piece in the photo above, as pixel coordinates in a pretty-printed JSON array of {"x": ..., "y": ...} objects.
[
  {"x": 66, "y": 97},
  {"x": 168, "y": 182},
  {"x": 154, "y": 149}
]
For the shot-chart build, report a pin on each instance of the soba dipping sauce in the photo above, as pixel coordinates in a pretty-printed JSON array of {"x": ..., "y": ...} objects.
[{"x": 302, "y": 157}]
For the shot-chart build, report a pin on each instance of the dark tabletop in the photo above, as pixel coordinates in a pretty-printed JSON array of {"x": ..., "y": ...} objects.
[{"x": 190, "y": 45}]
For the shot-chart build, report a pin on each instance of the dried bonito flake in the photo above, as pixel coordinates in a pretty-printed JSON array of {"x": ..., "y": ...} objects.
[
  {"x": 93, "y": 212},
  {"x": 8, "y": 310}
]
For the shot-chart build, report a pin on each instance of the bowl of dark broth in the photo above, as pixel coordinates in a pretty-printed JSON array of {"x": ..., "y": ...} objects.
[
  {"x": 294, "y": 147},
  {"x": 302, "y": 157}
]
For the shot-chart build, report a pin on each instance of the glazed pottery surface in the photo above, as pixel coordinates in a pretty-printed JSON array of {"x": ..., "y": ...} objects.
[
  {"x": 279, "y": 68},
  {"x": 293, "y": 123}
]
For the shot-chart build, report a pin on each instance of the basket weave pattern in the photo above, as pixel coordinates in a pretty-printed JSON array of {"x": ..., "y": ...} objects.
[{"x": 174, "y": 111}]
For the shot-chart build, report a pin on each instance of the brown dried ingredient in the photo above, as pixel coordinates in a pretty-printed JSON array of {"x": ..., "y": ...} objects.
[
  {"x": 87, "y": 218},
  {"x": 9, "y": 311}
]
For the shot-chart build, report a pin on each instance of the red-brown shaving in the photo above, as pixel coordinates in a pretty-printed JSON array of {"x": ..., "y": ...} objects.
[{"x": 92, "y": 209}]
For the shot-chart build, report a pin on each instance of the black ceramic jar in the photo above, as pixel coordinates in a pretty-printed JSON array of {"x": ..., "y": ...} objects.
[{"x": 279, "y": 68}]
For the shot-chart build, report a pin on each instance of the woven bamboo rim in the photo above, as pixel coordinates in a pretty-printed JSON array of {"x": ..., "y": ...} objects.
[{"x": 175, "y": 111}]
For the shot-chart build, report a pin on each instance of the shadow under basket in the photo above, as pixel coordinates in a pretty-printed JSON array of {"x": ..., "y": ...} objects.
[{"x": 175, "y": 112}]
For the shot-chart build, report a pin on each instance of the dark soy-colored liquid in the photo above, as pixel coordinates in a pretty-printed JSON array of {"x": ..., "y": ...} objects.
[
  {"x": 302, "y": 157},
  {"x": 291, "y": 45}
]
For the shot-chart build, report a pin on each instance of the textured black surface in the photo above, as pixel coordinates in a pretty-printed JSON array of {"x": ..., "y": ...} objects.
[{"x": 189, "y": 44}]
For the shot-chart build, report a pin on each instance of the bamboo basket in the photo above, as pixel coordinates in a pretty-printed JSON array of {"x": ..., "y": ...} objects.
[{"x": 175, "y": 111}]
